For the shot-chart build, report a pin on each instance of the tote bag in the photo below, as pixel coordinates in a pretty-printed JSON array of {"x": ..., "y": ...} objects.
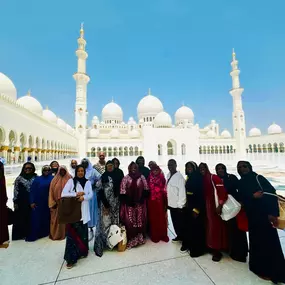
[
  {"x": 69, "y": 210},
  {"x": 230, "y": 208},
  {"x": 281, "y": 204}
]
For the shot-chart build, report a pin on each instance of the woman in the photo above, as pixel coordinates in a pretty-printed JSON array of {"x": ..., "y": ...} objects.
[
  {"x": 238, "y": 245},
  {"x": 100, "y": 165},
  {"x": 93, "y": 176},
  {"x": 142, "y": 169},
  {"x": 157, "y": 205},
  {"x": 134, "y": 191},
  {"x": 109, "y": 191},
  {"x": 117, "y": 169},
  {"x": 76, "y": 246},
  {"x": 4, "y": 233},
  {"x": 22, "y": 214},
  {"x": 57, "y": 231},
  {"x": 266, "y": 258},
  {"x": 54, "y": 165},
  {"x": 40, "y": 214},
  {"x": 216, "y": 230},
  {"x": 195, "y": 211}
]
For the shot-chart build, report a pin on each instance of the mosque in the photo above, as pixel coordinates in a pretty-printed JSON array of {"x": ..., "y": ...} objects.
[{"x": 26, "y": 129}]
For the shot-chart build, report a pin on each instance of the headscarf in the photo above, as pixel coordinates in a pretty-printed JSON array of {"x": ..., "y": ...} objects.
[
  {"x": 248, "y": 165},
  {"x": 53, "y": 171},
  {"x": 156, "y": 183},
  {"x": 142, "y": 169},
  {"x": 105, "y": 176},
  {"x": 57, "y": 185},
  {"x": 115, "y": 175},
  {"x": 119, "y": 174},
  {"x": 30, "y": 175},
  {"x": 194, "y": 179},
  {"x": 116, "y": 159},
  {"x": 134, "y": 191},
  {"x": 2, "y": 174},
  {"x": 91, "y": 173},
  {"x": 45, "y": 167},
  {"x": 81, "y": 180},
  {"x": 72, "y": 170}
]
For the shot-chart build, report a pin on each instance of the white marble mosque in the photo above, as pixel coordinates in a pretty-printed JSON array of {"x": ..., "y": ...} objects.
[{"x": 26, "y": 129}]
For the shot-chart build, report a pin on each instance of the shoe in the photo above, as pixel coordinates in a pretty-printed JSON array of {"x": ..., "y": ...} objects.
[
  {"x": 239, "y": 259},
  {"x": 176, "y": 240},
  {"x": 183, "y": 249},
  {"x": 217, "y": 257},
  {"x": 69, "y": 266}
]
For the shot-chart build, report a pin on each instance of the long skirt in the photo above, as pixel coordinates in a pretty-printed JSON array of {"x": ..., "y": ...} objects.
[
  {"x": 57, "y": 231},
  {"x": 238, "y": 245},
  {"x": 134, "y": 219},
  {"x": 195, "y": 234},
  {"x": 76, "y": 245},
  {"x": 266, "y": 258},
  {"x": 4, "y": 233},
  {"x": 157, "y": 221},
  {"x": 22, "y": 221},
  {"x": 94, "y": 214},
  {"x": 40, "y": 223}
]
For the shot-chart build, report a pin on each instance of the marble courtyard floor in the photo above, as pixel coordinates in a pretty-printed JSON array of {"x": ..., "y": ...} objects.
[{"x": 41, "y": 262}]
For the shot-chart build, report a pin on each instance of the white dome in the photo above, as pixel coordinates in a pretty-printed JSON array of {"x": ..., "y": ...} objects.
[
  {"x": 61, "y": 123},
  {"x": 226, "y": 134},
  {"x": 211, "y": 134},
  {"x": 31, "y": 104},
  {"x": 131, "y": 121},
  {"x": 163, "y": 119},
  {"x": 49, "y": 116},
  {"x": 134, "y": 134},
  {"x": 254, "y": 132},
  {"x": 149, "y": 106},
  {"x": 69, "y": 128},
  {"x": 274, "y": 129},
  {"x": 184, "y": 114},
  {"x": 112, "y": 111},
  {"x": 7, "y": 87},
  {"x": 93, "y": 133},
  {"x": 115, "y": 134}
]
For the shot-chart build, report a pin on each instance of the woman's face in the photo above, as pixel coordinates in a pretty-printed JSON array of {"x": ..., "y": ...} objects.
[
  {"x": 54, "y": 165},
  {"x": 134, "y": 168},
  {"x": 116, "y": 163},
  {"x": 46, "y": 171},
  {"x": 62, "y": 172},
  {"x": 28, "y": 169},
  {"x": 156, "y": 172},
  {"x": 203, "y": 169},
  {"x": 189, "y": 168},
  {"x": 221, "y": 171},
  {"x": 110, "y": 167},
  {"x": 243, "y": 168},
  {"x": 80, "y": 172}
]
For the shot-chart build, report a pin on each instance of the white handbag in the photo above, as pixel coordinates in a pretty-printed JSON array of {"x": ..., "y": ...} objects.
[
  {"x": 114, "y": 236},
  {"x": 230, "y": 208}
]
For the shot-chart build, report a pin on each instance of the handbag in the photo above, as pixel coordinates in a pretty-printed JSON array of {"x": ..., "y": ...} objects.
[
  {"x": 69, "y": 210},
  {"x": 122, "y": 245},
  {"x": 281, "y": 205},
  {"x": 230, "y": 208},
  {"x": 113, "y": 236},
  {"x": 10, "y": 216}
]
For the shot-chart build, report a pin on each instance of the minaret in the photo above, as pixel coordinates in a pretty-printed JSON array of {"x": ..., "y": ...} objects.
[
  {"x": 81, "y": 79},
  {"x": 238, "y": 113}
]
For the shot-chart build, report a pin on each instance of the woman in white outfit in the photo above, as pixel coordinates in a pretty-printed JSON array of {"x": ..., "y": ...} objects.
[{"x": 77, "y": 233}]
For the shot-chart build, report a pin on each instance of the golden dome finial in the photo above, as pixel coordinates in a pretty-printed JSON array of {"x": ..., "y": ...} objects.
[
  {"x": 29, "y": 92},
  {"x": 82, "y": 30},
  {"x": 234, "y": 54},
  {"x": 149, "y": 91},
  {"x": 47, "y": 107}
]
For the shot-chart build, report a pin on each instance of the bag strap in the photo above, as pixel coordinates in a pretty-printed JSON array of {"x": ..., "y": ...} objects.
[
  {"x": 259, "y": 183},
  {"x": 267, "y": 193}
]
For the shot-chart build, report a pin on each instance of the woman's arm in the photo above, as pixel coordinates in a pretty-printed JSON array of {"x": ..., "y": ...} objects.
[
  {"x": 68, "y": 190},
  {"x": 16, "y": 190},
  {"x": 88, "y": 191},
  {"x": 181, "y": 192}
]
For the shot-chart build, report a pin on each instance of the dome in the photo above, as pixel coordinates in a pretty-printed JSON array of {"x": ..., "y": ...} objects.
[
  {"x": 113, "y": 112},
  {"x": 149, "y": 106},
  {"x": 211, "y": 134},
  {"x": 49, "y": 116},
  {"x": 163, "y": 119},
  {"x": 226, "y": 134},
  {"x": 131, "y": 121},
  {"x": 134, "y": 134},
  {"x": 7, "y": 87},
  {"x": 254, "y": 132},
  {"x": 31, "y": 104},
  {"x": 115, "y": 134},
  {"x": 61, "y": 123},
  {"x": 93, "y": 133},
  {"x": 184, "y": 114},
  {"x": 274, "y": 129},
  {"x": 69, "y": 128}
]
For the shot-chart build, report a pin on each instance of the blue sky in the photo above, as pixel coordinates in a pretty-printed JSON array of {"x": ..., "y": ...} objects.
[{"x": 179, "y": 48}]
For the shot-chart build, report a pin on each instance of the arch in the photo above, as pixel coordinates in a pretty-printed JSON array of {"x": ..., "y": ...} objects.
[
  {"x": 43, "y": 144},
  {"x": 93, "y": 152},
  {"x": 115, "y": 151},
  {"x": 212, "y": 150},
  {"x": 121, "y": 151},
  {"x": 216, "y": 149},
  {"x": 159, "y": 149},
  {"x": 220, "y": 149},
  {"x": 200, "y": 150},
  {"x": 231, "y": 149},
  {"x": 183, "y": 149},
  {"x": 254, "y": 148},
  {"x": 270, "y": 147},
  {"x": 136, "y": 151},
  {"x": 170, "y": 148},
  {"x": 109, "y": 151},
  {"x": 208, "y": 149},
  {"x": 228, "y": 149},
  {"x": 264, "y": 147},
  {"x": 12, "y": 139},
  {"x": 275, "y": 147},
  {"x": 131, "y": 151},
  {"x": 2, "y": 135},
  {"x": 281, "y": 147},
  {"x": 31, "y": 141},
  {"x": 259, "y": 149},
  {"x": 126, "y": 151},
  {"x": 250, "y": 148},
  {"x": 224, "y": 149},
  {"x": 204, "y": 149}
]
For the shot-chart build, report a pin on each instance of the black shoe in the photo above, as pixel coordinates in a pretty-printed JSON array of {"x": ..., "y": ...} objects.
[
  {"x": 183, "y": 249},
  {"x": 177, "y": 239},
  {"x": 217, "y": 257}
]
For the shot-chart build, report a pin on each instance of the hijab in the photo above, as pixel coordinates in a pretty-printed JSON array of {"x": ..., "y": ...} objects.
[
  {"x": 249, "y": 167},
  {"x": 30, "y": 175},
  {"x": 156, "y": 182},
  {"x": 194, "y": 179},
  {"x": 114, "y": 175},
  {"x": 53, "y": 171},
  {"x": 77, "y": 179},
  {"x": 134, "y": 191},
  {"x": 142, "y": 169}
]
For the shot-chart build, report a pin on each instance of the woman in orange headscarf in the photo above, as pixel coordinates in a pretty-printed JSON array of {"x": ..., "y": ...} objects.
[{"x": 57, "y": 231}]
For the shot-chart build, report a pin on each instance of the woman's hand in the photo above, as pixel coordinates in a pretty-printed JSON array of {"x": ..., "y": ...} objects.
[
  {"x": 258, "y": 195},
  {"x": 79, "y": 194},
  {"x": 33, "y": 205},
  {"x": 219, "y": 210},
  {"x": 273, "y": 220},
  {"x": 80, "y": 198}
]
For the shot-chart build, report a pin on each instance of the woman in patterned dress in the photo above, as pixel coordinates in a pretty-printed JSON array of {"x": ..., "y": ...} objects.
[
  {"x": 22, "y": 214},
  {"x": 109, "y": 206},
  {"x": 133, "y": 213}
]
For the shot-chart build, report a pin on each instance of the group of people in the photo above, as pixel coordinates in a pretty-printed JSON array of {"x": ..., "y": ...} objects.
[{"x": 139, "y": 201}]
